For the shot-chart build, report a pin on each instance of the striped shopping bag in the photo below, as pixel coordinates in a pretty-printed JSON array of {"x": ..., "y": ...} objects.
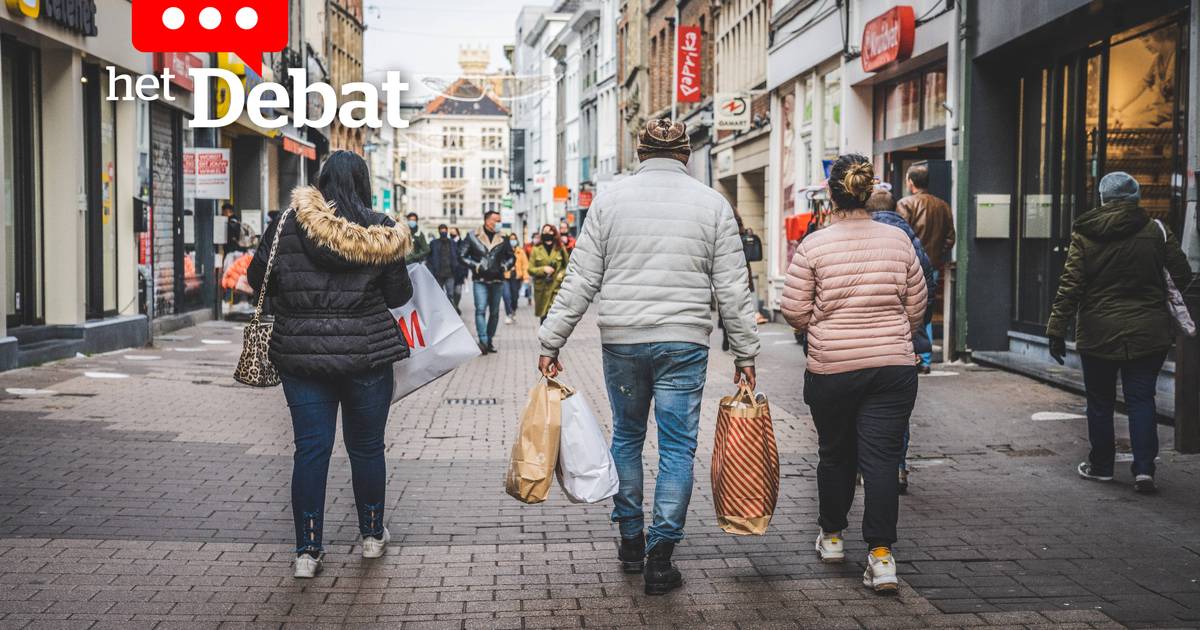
[{"x": 745, "y": 464}]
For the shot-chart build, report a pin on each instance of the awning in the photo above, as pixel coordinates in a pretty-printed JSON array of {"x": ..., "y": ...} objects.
[{"x": 300, "y": 147}]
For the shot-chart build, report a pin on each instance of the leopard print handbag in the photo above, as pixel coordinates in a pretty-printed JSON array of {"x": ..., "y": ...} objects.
[{"x": 254, "y": 367}]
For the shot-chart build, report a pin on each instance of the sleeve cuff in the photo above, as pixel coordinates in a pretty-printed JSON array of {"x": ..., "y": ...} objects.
[
  {"x": 742, "y": 362},
  {"x": 547, "y": 351}
]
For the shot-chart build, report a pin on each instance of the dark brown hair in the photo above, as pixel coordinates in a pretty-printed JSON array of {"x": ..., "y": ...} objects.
[{"x": 851, "y": 180}]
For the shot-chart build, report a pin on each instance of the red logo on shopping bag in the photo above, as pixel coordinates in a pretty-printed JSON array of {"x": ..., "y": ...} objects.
[{"x": 411, "y": 329}]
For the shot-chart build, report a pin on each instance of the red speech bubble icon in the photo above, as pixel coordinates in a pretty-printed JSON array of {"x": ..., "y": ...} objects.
[{"x": 245, "y": 27}]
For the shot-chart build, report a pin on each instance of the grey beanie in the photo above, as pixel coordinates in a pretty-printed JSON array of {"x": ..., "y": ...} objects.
[{"x": 1119, "y": 185}]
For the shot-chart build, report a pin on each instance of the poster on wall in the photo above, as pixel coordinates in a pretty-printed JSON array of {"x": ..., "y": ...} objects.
[{"x": 206, "y": 172}]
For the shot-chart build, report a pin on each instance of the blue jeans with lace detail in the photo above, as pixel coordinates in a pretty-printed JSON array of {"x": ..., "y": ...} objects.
[
  {"x": 364, "y": 400},
  {"x": 673, "y": 375}
]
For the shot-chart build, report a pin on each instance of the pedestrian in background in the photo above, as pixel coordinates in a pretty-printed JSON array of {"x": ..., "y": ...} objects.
[
  {"x": 443, "y": 263},
  {"x": 657, "y": 247},
  {"x": 548, "y": 267},
  {"x": 564, "y": 232},
  {"x": 861, "y": 381},
  {"x": 420, "y": 251},
  {"x": 461, "y": 271},
  {"x": 335, "y": 348},
  {"x": 1113, "y": 286},
  {"x": 933, "y": 222},
  {"x": 882, "y": 207},
  {"x": 487, "y": 253},
  {"x": 515, "y": 279}
]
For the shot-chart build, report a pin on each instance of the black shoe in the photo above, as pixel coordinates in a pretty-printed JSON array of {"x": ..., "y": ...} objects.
[
  {"x": 483, "y": 348},
  {"x": 1144, "y": 484},
  {"x": 661, "y": 575},
  {"x": 903, "y": 482},
  {"x": 925, "y": 368},
  {"x": 1087, "y": 471},
  {"x": 491, "y": 348},
  {"x": 632, "y": 552}
]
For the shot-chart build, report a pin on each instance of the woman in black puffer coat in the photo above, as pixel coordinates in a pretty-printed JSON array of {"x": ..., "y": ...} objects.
[{"x": 338, "y": 270}]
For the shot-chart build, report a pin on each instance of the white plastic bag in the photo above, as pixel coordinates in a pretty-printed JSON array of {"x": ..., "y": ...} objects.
[
  {"x": 438, "y": 340},
  {"x": 586, "y": 470}
]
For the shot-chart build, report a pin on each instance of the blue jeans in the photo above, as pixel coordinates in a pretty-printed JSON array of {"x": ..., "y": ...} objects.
[
  {"x": 673, "y": 374},
  {"x": 1139, "y": 380},
  {"x": 927, "y": 357},
  {"x": 487, "y": 309},
  {"x": 512, "y": 295},
  {"x": 364, "y": 399}
]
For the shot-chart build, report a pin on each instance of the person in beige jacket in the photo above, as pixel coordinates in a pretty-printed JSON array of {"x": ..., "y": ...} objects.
[{"x": 858, "y": 290}]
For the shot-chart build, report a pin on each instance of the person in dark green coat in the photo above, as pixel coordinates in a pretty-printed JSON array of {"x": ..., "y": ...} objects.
[
  {"x": 1113, "y": 287},
  {"x": 420, "y": 251},
  {"x": 547, "y": 267}
]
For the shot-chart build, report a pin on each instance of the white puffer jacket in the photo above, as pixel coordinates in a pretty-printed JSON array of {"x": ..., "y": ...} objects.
[{"x": 657, "y": 247}]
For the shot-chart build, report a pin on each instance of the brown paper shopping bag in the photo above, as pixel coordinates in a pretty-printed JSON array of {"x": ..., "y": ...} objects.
[
  {"x": 535, "y": 451},
  {"x": 745, "y": 464}
]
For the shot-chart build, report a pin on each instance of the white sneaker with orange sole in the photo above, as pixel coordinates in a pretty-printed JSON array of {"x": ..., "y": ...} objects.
[
  {"x": 829, "y": 546},
  {"x": 880, "y": 575}
]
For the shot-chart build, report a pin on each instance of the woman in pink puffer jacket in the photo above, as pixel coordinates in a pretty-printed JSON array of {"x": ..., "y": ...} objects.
[{"x": 857, "y": 289}]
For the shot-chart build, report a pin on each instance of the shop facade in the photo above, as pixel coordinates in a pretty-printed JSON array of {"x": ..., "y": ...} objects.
[
  {"x": 69, "y": 258},
  {"x": 1073, "y": 91}
]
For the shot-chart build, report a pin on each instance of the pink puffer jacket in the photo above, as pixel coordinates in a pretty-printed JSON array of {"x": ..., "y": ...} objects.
[{"x": 857, "y": 289}]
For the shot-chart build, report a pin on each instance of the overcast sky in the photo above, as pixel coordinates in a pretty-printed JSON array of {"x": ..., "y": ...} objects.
[{"x": 423, "y": 36}]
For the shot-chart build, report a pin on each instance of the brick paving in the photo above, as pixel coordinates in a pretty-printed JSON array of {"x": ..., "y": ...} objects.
[{"x": 153, "y": 493}]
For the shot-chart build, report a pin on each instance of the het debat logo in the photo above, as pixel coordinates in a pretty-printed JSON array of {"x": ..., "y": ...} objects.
[{"x": 247, "y": 27}]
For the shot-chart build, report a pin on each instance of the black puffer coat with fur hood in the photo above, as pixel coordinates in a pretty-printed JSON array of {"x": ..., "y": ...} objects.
[{"x": 331, "y": 286}]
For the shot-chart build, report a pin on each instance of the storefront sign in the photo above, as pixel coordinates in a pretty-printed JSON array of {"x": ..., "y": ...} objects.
[
  {"x": 179, "y": 64},
  {"x": 206, "y": 172},
  {"x": 304, "y": 149},
  {"x": 561, "y": 194},
  {"x": 78, "y": 16},
  {"x": 888, "y": 38},
  {"x": 687, "y": 65},
  {"x": 516, "y": 161},
  {"x": 733, "y": 112},
  {"x": 585, "y": 199}
]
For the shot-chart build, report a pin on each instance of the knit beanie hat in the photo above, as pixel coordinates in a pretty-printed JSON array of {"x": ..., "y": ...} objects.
[
  {"x": 664, "y": 138},
  {"x": 1119, "y": 185}
]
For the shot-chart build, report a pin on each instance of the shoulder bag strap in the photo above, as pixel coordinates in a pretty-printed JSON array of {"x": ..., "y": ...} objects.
[
  {"x": 262, "y": 291},
  {"x": 1161, "y": 229}
]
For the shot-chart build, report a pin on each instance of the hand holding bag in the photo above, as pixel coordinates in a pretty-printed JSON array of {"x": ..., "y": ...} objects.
[
  {"x": 1184, "y": 325},
  {"x": 745, "y": 464},
  {"x": 254, "y": 367}
]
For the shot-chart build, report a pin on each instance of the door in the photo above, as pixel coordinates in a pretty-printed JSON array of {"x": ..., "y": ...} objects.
[
  {"x": 21, "y": 185},
  {"x": 101, "y": 222}
]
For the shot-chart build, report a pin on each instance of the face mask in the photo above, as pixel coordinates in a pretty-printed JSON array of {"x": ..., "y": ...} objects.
[
  {"x": 412, "y": 225},
  {"x": 548, "y": 239},
  {"x": 513, "y": 242},
  {"x": 443, "y": 234}
]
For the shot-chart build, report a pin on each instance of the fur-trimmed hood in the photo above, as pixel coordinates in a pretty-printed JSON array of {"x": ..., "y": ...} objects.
[{"x": 327, "y": 235}]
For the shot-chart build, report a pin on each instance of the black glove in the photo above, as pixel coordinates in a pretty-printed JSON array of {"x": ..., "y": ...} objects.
[{"x": 1058, "y": 349}]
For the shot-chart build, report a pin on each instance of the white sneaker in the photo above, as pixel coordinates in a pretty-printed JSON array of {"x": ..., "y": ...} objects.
[
  {"x": 829, "y": 545},
  {"x": 508, "y": 320},
  {"x": 307, "y": 566},
  {"x": 880, "y": 575},
  {"x": 374, "y": 547}
]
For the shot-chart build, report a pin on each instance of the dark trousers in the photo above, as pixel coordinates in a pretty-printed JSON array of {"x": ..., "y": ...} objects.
[
  {"x": 861, "y": 417},
  {"x": 1139, "y": 378},
  {"x": 364, "y": 400}
]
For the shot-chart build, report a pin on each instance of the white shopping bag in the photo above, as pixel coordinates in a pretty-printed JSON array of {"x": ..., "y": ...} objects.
[
  {"x": 586, "y": 470},
  {"x": 438, "y": 341}
]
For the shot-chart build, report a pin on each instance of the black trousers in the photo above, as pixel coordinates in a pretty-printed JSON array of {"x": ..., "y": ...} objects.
[{"x": 861, "y": 417}]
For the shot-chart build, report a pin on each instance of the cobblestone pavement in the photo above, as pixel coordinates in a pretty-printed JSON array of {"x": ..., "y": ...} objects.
[{"x": 146, "y": 489}]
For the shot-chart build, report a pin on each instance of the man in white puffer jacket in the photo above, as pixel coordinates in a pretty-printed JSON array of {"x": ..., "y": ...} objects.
[{"x": 656, "y": 247}]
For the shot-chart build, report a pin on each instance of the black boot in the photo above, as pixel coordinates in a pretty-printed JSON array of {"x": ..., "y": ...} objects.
[
  {"x": 661, "y": 575},
  {"x": 632, "y": 552}
]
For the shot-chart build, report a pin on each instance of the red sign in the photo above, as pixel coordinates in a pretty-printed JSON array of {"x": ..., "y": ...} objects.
[
  {"x": 178, "y": 64},
  {"x": 888, "y": 38},
  {"x": 292, "y": 145},
  {"x": 687, "y": 65},
  {"x": 245, "y": 28},
  {"x": 585, "y": 199}
]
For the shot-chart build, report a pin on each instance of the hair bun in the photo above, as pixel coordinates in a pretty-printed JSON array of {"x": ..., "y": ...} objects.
[{"x": 859, "y": 180}]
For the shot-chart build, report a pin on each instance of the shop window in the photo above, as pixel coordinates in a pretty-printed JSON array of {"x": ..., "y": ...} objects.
[
  {"x": 20, "y": 194},
  {"x": 910, "y": 104},
  {"x": 833, "y": 113},
  {"x": 902, "y": 108},
  {"x": 933, "y": 113}
]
